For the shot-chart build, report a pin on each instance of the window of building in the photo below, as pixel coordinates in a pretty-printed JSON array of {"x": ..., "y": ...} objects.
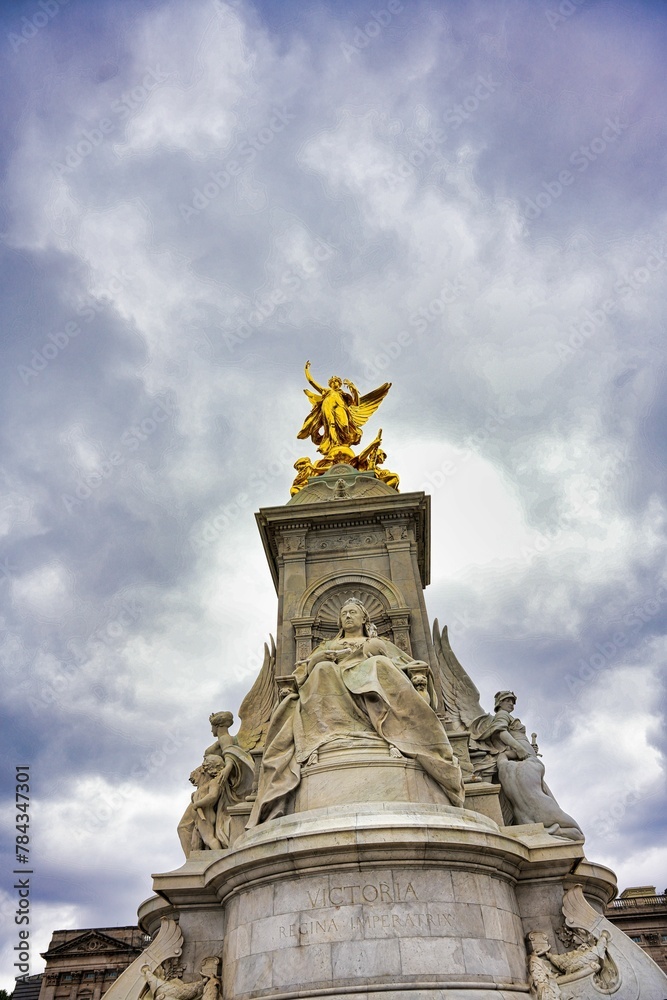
[
  {"x": 636, "y": 937},
  {"x": 67, "y": 977},
  {"x": 111, "y": 973},
  {"x": 89, "y": 975}
]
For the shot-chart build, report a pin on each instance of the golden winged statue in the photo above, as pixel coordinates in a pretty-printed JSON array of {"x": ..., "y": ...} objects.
[{"x": 337, "y": 416}]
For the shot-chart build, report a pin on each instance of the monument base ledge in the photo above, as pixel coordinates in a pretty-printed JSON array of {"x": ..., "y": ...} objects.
[
  {"x": 372, "y": 834},
  {"x": 386, "y": 900}
]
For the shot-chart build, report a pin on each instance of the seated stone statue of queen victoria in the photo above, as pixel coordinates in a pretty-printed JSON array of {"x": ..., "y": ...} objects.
[{"x": 352, "y": 691}]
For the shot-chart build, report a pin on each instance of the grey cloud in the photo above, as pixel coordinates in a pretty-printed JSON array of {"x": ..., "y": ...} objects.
[{"x": 350, "y": 232}]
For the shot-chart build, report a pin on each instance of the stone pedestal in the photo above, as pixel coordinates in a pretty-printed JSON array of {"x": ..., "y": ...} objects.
[
  {"x": 370, "y": 542},
  {"x": 375, "y": 886},
  {"x": 365, "y": 775},
  {"x": 483, "y": 797},
  {"x": 405, "y": 899}
]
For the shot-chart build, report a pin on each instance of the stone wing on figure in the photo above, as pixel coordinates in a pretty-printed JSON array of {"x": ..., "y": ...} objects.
[
  {"x": 258, "y": 704},
  {"x": 460, "y": 695},
  {"x": 499, "y": 748},
  {"x": 168, "y": 943}
]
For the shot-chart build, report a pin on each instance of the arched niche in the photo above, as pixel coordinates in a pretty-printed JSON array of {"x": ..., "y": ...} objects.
[{"x": 317, "y": 612}]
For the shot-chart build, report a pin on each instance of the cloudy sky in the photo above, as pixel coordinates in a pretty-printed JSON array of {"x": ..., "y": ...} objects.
[{"x": 466, "y": 199}]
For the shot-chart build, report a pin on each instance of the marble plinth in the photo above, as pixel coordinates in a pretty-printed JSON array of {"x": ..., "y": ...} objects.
[
  {"x": 364, "y": 775},
  {"x": 373, "y": 899},
  {"x": 393, "y": 901}
]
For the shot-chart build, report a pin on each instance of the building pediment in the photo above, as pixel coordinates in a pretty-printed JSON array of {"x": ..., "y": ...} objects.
[{"x": 90, "y": 942}]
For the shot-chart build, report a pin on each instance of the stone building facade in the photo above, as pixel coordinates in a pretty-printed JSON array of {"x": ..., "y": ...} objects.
[
  {"x": 642, "y": 914},
  {"x": 83, "y": 964}
]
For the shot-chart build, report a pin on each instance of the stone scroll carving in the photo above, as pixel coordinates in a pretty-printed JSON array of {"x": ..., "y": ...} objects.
[
  {"x": 499, "y": 748},
  {"x": 550, "y": 974}
]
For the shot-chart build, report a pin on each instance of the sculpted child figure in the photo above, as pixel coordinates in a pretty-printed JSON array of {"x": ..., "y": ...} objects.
[
  {"x": 186, "y": 826},
  {"x": 353, "y": 691},
  {"x": 214, "y": 773},
  {"x": 223, "y": 778}
]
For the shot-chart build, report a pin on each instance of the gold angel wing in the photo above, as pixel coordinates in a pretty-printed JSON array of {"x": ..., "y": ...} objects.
[
  {"x": 258, "y": 704},
  {"x": 168, "y": 943},
  {"x": 313, "y": 398},
  {"x": 368, "y": 404},
  {"x": 460, "y": 694}
]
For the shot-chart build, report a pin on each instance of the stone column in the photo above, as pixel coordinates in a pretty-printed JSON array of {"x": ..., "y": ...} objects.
[{"x": 292, "y": 577}]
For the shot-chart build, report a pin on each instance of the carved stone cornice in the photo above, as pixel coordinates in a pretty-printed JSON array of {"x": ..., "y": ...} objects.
[{"x": 411, "y": 510}]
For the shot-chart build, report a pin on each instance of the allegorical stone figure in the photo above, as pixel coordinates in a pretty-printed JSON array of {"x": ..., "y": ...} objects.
[
  {"x": 520, "y": 771},
  {"x": 224, "y": 778},
  {"x": 353, "y": 689},
  {"x": 547, "y": 969},
  {"x": 207, "y": 986},
  {"x": 499, "y": 747},
  {"x": 541, "y": 973}
]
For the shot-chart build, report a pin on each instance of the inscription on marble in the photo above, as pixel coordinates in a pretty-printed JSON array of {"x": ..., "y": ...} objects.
[
  {"x": 362, "y": 892},
  {"x": 378, "y": 899},
  {"x": 305, "y": 929}
]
